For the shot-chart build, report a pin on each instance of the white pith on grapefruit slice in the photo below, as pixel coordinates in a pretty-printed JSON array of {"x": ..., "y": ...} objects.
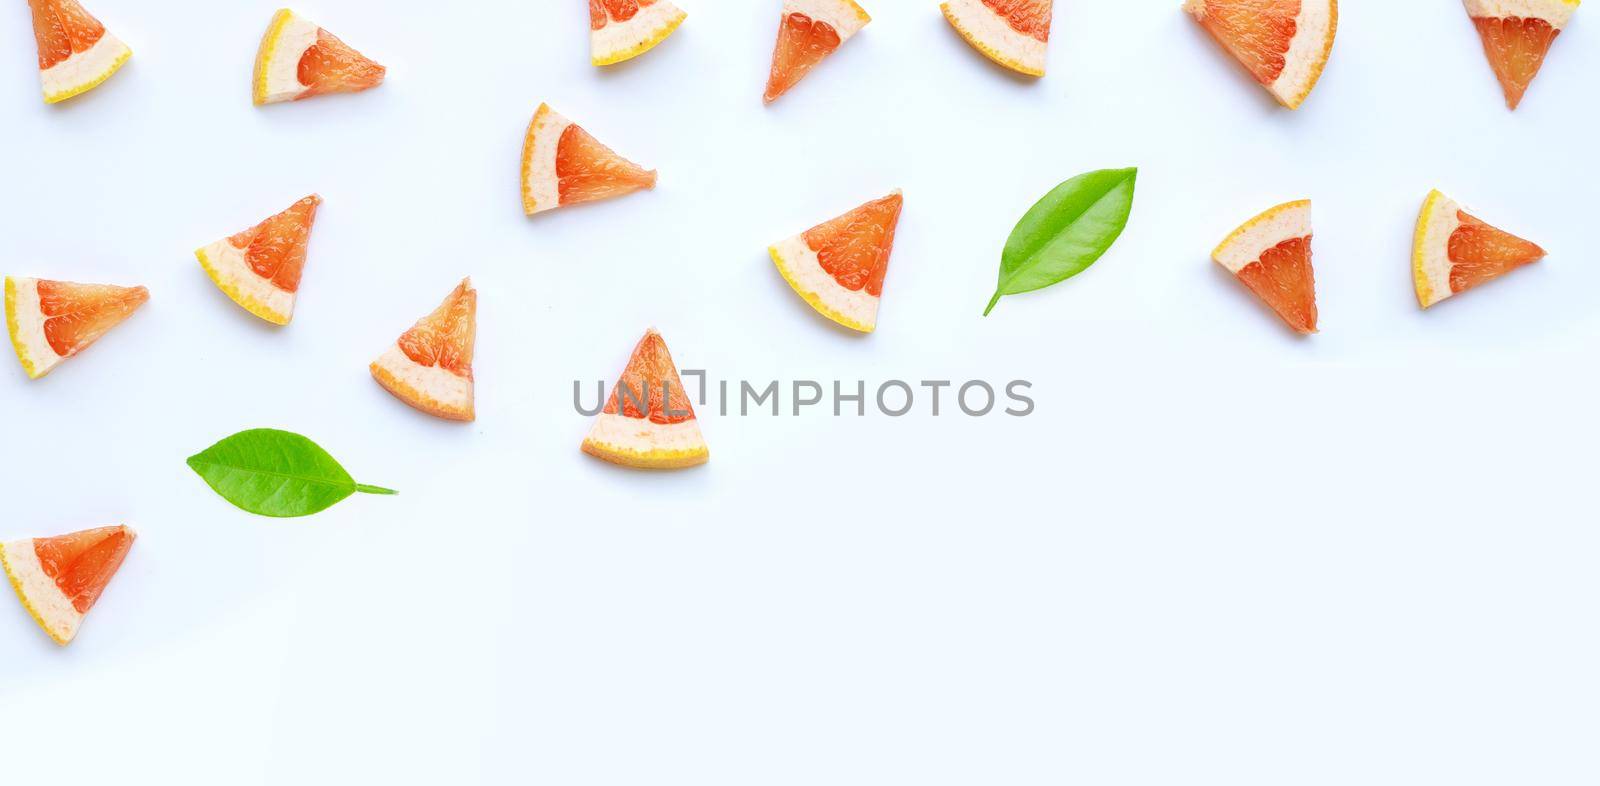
[
  {"x": 1271, "y": 255},
  {"x": 809, "y": 31},
  {"x": 50, "y": 321},
  {"x": 298, "y": 59},
  {"x": 838, "y": 266},
  {"x": 76, "y": 53},
  {"x": 430, "y": 366},
  {"x": 621, "y": 30},
  {"x": 1013, "y": 33},
  {"x": 260, "y": 267},
  {"x": 648, "y": 421},
  {"x": 563, "y": 165},
  {"x": 1454, "y": 251},
  {"x": 1284, "y": 44},
  {"x": 59, "y": 579}
]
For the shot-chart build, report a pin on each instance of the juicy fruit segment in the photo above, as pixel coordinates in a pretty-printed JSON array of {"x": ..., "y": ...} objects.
[
  {"x": 839, "y": 266},
  {"x": 260, "y": 268},
  {"x": 1517, "y": 36},
  {"x": 1271, "y": 255},
  {"x": 50, "y": 321},
  {"x": 564, "y": 165},
  {"x": 59, "y": 579},
  {"x": 299, "y": 59},
  {"x": 75, "y": 52},
  {"x": 621, "y": 30},
  {"x": 1455, "y": 251},
  {"x": 808, "y": 32},
  {"x": 648, "y": 421},
  {"x": 1013, "y": 33},
  {"x": 430, "y": 366},
  {"x": 1284, "y": 44}
]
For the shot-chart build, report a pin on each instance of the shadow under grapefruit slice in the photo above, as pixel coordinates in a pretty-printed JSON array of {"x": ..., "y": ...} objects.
[
  {"x": 76, "y": 53},
  {"x": 430, "y": 365},
  {"x": 298, "y": 59},
  {"x": 260, "y": 267},
  {"x": 1454, "y": 251},
  {"x": 838, "y": 266},
  {"x": 808, "y": 32},
  {"x": 563, "y": 165},
  {"x": 50, "y": 321},
  {"x": 1271, "y": 255},
  {"x": 621, "y": 30},
  {"x": 1284, "y": 44},
  {"x": 60, "y": 578},
  {"x": 1517, "y": 35},
  {"x": 1013, "y": 33},
  {"x": 648, "y": 422}
]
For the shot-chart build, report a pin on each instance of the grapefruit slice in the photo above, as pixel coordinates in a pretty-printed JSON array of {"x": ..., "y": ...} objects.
[
  {"x": 1284, "y": 44},
  {"x": 298, "y": 59},
  {"x": 1517, "y": 35},
  {"x": 838, "y": 266},
  {"x": 260, "y": 267},
  {"x": 808, "y": 32},
  {"x": 430, "y": 366},
  {"x": 1271, "y": 254},
  {"x": 563, "y": 165},
  {"x": 76, "y": 53},
  {"x": 624, "y": 29},
  {"x": 1454, "y": 251},
  {"x": 51, "y": 321},
  {"x": 60, "y": 578},
  {"x": 647, "y": 422},
  {"x": 1013, "y": 33}
]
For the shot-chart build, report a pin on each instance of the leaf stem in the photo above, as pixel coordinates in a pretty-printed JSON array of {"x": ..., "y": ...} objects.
[
  {"x": 365, "y": 489},
  {"x": 993, "y": 303}
]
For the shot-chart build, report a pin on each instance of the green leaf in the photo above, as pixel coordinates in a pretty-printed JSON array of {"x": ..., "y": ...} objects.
[
  {"x": 276, "y": 473},
  {"x": 1066, "y": 232}
]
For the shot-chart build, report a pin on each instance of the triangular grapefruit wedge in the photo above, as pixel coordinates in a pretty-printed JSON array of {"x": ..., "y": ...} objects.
[
  {"x": 563, "y": 165},
  {"x": 76, "y": 53},
  {"x": 621, "y": 30},
  {"x": 1454, "y": 251},
  {"x": 1284, "y": 44},
  {"x": 648, "y": 422},
  {"x": 60, "y": 578},
  {"x": 1517, "y": 35},
  {"x": 430, "y": 366},
  {"x": 50, "y": 321},
  {"x": 260, "y": 267},
  {"x": 838, "y": 266},
  {"x": 1271, "y": 254},
  {"x": 298, "y": 59},
  {"x": 809, "y": 31},
  {"x": 1013, "y": 33}
]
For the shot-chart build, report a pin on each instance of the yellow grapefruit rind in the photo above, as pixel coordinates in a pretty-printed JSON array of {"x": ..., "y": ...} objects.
[
  {"x": 540, "y": 186},
  {"x": 14, "y": 329},
  {"x": 991, "y": 35},
  {"x": 789, "y": 269},
  {"x": 644, "y": 453},
  {"x": 1430, "y": 249},
  {"x": 233, "y": 286},
  {"x": 60, "y": 631},
  {"x": 109, "y": 51},
  {"x": 1308, "y": 51},
  {"x": 407, "y": 380},
  {"x": 665, "y": 21},
  {"x": 269, "y": 47},
  {"x": 1246, "y": 244},
  {"x": 1557, "y": 12}
]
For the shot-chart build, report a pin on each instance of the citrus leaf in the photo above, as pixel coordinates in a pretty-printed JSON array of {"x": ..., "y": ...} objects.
[
  {"x": 1066, "y": 232},
  {"x": 276, "y": 473}
]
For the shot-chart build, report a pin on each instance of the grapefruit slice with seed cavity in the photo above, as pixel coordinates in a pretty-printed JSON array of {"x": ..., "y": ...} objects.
[
  {"x": 1454, "y": 251},
  {"x": 430, "y": 366},
  {"x": 563, "y": 165},
  {"x": 624, "y": 29},
  {"x": 260, "y": 267},
  {"x": 76, "y": 53},
  {"x": 298, "y": 59},
  {"x": 1284, "y": 44},
  {"x": 648, "y": 422},
  {"x": 60, "y": 578},
  {"x": 51, "y": 321},
  {"x": 1013, "y": 33},
  {"x": 1271, "y": 254},
  {"x": 808, "y": 32},
  {"x": 1517, "y": 35},
  {"x": 838, "y": 267}
]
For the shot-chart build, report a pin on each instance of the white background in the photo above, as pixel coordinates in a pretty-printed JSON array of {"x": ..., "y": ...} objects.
[{"x": 1217, "y": 553}]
